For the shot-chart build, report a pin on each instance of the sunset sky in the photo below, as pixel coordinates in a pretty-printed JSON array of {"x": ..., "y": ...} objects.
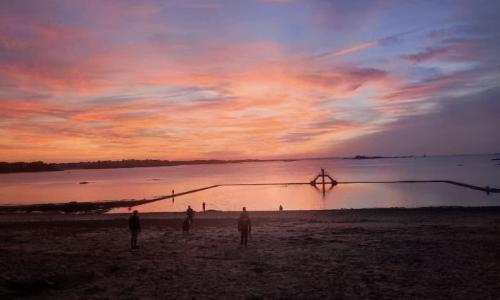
[{"x": 88, "y": 80}]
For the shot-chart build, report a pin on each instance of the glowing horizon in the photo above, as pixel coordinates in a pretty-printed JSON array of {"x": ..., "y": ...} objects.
[{"x": 86, "y": 80}]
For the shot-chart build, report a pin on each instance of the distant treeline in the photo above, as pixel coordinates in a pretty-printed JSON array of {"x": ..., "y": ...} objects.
[
  {"x": 36, "y": 166},
  {"x": 40, "y": 166}
]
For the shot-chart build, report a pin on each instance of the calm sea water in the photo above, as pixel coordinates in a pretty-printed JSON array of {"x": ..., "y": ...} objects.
[{"x": 139, "y": 183}]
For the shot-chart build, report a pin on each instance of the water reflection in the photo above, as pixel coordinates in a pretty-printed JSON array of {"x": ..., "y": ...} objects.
[
  {"x": 294, "y": 197},
  {"x": 139, "y": 183}
]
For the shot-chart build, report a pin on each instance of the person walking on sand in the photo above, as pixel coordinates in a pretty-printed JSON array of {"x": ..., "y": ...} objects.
[
  {"x": 190, "y": 215},
  {"x": 135, "y": 227},
  {"x": 244, "y": 226}
]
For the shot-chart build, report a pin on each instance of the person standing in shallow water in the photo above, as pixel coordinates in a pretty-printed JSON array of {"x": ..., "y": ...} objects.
[
  {"x": 135, "y": 227},
  {"x": 244, "y": 226}
]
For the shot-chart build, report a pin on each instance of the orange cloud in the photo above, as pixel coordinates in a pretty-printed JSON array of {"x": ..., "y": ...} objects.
[
  {"x": 259, "y": 104},
  {"x": 74, "y": 93}
]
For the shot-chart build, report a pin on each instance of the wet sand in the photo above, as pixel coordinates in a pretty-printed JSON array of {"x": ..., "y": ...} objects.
[{"x": 437, "y": 253}]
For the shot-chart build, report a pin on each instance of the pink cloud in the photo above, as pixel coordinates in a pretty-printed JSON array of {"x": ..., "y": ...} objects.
[
  {"x": 349, "y": 50},
  {"x": 462, "y": 52},
  {"x": 257, "y": 100},
  {"x": 116, "y": 80}
]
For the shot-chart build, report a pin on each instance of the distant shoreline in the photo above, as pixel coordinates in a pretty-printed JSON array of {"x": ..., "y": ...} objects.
[{"x": 40, "y": 166}]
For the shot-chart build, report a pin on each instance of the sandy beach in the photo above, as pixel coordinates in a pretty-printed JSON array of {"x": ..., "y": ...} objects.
[{"x": 432, "y": 253}]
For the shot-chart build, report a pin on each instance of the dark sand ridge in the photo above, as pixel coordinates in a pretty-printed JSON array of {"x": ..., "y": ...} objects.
[
  {"x": 430, "y": 253},
  {"x": 104, "y": 206}
]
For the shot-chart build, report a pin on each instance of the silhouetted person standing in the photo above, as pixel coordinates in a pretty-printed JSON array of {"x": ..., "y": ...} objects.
[
  {"x": 190, "y": 214},
  {"x": 203, "y": 206},
  {"x": 135, "y": 227},
  {"x": 185, "y": 225},
  {"x": 244, "y": 226},
  {"x": 281, "y": 207}
]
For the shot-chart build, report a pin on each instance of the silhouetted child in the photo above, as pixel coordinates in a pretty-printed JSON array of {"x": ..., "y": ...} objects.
[
  {"x": 244, "y": 226},
  {"x": 135, "y": 227},
  {"x": 190, "y": 215},
  {"x": 203, "y": 206},
  {"x": 281, "y": 208}
]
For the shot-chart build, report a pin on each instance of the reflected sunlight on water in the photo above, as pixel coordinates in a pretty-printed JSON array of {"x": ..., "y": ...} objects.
[
  {"x": 341, "y": 196},
  {"x": 139, "y": 183}
]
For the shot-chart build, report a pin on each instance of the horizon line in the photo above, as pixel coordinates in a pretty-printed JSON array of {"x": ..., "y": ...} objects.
[{"x": 261, "y": 159}]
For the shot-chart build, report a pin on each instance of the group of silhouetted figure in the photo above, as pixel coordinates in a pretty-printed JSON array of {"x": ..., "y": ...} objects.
[{"x": 244, "y": 225}]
